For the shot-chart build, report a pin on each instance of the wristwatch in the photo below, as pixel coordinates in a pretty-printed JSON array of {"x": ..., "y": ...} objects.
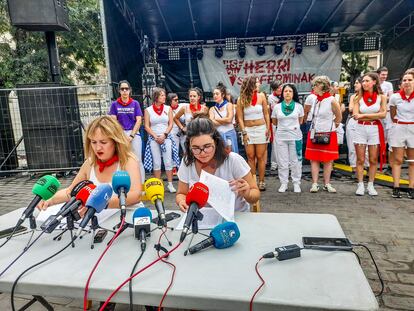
[{"x": 132, "y": 136}]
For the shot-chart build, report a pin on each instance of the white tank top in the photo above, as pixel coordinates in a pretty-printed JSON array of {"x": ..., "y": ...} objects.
[
  {"x": 253, "y": 112},
  {"x": 94, "y": 179},
  {"x": 158, "y": 123},
  {"x": 223, "y": 113},
  {"x": 188, "y": 116},
  {"x": 374, "y": 108},
  {"x": 324, "y": 115},
  {"x": 182, "y": 118}
]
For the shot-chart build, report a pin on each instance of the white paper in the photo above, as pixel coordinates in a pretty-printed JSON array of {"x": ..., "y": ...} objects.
[
  {"x": 210, "y": 219},
  {"x": 220, "y": 197}
]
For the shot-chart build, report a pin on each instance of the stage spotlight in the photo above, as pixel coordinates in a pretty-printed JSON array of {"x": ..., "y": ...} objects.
[
  {"x": 218, "y": 52},
  {"x": 173, "y": 53},
  {"x": 199, "y": 53},
  {"x": 278, "y": 49},
  {"x": 298, "y": 47},
  {"x": 261, "y": 50},
  {"x": 242, "y": 50},
  {"x": 323, "y": 46},
  {"x": 231, "y": 44}
]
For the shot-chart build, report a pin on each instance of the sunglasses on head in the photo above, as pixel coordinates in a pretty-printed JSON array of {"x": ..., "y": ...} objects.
[{"x": 124, "y": 88}]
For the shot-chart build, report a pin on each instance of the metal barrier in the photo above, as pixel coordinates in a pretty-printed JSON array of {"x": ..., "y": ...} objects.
[{"x": 42, "y": 125}]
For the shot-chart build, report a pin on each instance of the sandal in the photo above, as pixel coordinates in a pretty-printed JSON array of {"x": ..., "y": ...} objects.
[{"x": 262, "y": 186}]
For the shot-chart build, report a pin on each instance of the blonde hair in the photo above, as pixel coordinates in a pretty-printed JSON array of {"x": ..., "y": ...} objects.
[
  {"x": 324, "y": 80},
  {"x": 246, "y": 91},
  {"x": 113, "y": 130}
]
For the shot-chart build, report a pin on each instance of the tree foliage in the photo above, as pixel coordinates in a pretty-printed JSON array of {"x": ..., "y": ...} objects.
[
  {"x": 80, "y": 49},
  {"x": 353, "y": 65}
]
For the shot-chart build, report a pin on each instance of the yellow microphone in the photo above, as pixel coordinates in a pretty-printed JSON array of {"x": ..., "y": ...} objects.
[{"x": 154, "y": 190}]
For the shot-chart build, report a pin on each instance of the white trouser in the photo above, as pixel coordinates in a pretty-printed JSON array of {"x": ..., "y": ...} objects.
[
  {"x": 166, "y": 156},
  {"x": 136, "y": 145},
  {"x": 288, "y": 159},
  {"x": 273, "y": 156}
]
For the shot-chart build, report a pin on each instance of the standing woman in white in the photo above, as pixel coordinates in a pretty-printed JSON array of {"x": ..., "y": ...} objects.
[
  {"x": 158, "y": 124},
  {"x": 288, "y": 116},
  {"x": 370, "y": 106},
  {"x": 401, "y": 136}
]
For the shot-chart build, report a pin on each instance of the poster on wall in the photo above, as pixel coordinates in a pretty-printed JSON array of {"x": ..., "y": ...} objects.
[{"x": 289, "y": 67}]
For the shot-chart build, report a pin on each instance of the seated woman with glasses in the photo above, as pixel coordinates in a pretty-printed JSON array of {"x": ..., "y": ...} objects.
[{"x": 205, "y": 151}]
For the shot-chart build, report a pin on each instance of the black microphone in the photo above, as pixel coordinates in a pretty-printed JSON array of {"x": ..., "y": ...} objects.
[{"x": 142, "y": 225}]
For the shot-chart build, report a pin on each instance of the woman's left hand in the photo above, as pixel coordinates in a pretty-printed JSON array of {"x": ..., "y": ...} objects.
[
  {"x": 267, "y": 134},
  {"x": 240, "y": 187}
]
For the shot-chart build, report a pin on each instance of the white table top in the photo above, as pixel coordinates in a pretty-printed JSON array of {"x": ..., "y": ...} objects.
[{"x": 212, "y": 279}]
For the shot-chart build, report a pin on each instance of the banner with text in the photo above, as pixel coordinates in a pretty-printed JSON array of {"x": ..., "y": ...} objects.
[{"x": 288, "y": 67}]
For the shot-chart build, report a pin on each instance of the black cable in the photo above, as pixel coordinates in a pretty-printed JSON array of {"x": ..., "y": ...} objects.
[
  {"x": 21, "y": 254},
  {"x": 9, "y": 237},
  {"x": 357, "y": 256},
  {"x": 130, "y": 282},
  {"x": 33, "y": 266},
  {"x": 376, "y": 267}
]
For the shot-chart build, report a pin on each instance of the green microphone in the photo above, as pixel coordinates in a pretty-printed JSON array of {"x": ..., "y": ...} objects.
[{"x": 44, "y": 189}]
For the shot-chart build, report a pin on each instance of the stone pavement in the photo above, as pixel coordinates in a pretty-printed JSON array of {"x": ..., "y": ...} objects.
[{"x": 384, "y": 224}]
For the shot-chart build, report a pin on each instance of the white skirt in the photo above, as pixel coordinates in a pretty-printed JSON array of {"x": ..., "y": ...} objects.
[{"x": 257, "y": 134}]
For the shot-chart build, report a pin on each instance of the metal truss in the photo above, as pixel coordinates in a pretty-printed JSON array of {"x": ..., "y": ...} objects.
[{"x": 405, "y": 25}]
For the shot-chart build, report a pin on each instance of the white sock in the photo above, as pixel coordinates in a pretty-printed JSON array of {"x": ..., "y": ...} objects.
[{"x": 170, "y": 183}]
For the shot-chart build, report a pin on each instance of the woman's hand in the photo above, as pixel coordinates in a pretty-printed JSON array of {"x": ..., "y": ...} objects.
[
  {"x": 358, "y": 116},
  {"x": 82, "y": 211},
  {"x": 267, "y": 134},
  {"x": 183, "y": 206},
  {"x": 240, "y": 187},
  {"x": 130, "y": 138},
  {"x": 246, "y": 139},
  {"x": 43, "y": 205}
]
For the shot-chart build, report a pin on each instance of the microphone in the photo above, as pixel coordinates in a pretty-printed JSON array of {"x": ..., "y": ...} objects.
[
  {"x": 196, "y": 198},
  {"x": 97, "y": 201},
  {"x": 154, "y": 190},
  {"x": 44, "y": 189},
  {"x": 80, "y": 199},
  {"x": 222, "y": 236},
  {"x": 142, "y": 225},
  {"x": 121, "y": 183}
]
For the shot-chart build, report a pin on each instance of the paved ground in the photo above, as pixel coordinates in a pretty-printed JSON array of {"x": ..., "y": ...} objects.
[{"x": 384, "y": 224}]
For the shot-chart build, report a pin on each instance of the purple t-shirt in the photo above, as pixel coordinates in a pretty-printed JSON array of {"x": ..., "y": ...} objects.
[{"x": 126, "y": 114}]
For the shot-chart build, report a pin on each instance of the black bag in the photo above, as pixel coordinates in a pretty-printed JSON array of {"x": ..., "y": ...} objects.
[{"x": 322, "y": 138}]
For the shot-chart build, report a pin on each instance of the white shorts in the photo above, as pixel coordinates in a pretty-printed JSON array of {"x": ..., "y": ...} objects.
[
  {"x": 366, "y": 134},
  {"x": 257, "y": 134},
  {"x": 402, "y": 135}
]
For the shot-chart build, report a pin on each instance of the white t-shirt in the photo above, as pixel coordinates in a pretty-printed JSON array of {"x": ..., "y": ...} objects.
[
  {"x": 288, "y": 127},
  {"x": 405, "y": 109},
  {"x": 273, "y": 101},
  {"x": 234, "y": 167},
  {"x": 310, "y": 101},
  {"x": 387, "y": 88}
]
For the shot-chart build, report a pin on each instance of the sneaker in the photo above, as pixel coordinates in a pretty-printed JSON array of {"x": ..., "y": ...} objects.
[
  {"x": 283, "y": 188},
  {"x": 314, "y": 188},
  {"x": 171, "y": 188},
  {"x": 360, "y": 190},
  {"x": 329, "y": 188},
  {"x": 371, "y": 190},
  {"x": 296, "y": 188},
  {"x": 410, "y": 193},
  {"x": 396, "y": 193},
  {"x": 262, "y": 186},
  {"x": 273, "y": 166}
]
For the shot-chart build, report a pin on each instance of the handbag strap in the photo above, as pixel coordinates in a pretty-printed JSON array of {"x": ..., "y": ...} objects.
[
  {"x": 218, "y": 112},
  {"x": 313, "y": 116}
]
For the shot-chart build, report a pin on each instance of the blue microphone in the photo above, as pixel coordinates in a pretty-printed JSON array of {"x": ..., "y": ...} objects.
[
  {"x": 97, "y": 201},
  {"x": 121, "y": 183},
  {"x": 222, "y": 236},
  {"x": 142, "y": 225}
]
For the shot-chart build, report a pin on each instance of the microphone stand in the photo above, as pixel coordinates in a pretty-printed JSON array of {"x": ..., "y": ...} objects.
[
  {"x": 70, "y": 226},
  {"x": 33, "y": 227},
  {"x": 194, "y": 229}
]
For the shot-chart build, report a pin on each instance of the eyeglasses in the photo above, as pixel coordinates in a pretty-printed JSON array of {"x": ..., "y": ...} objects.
[
  {"x": 124, "y": 88},
  {"x": 175, "y": 99},
  {"x": 206, "y": 148}
]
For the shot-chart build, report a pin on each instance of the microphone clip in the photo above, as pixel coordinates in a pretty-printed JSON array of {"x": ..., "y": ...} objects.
[{"x": 159, "y": 247}]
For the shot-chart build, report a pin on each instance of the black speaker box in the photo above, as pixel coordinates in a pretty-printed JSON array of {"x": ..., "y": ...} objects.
[
  {"x": 7, "y": 142},
  {"x": 39, "y": 15}
]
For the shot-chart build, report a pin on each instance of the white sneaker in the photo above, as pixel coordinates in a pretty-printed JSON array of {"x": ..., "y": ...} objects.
[
  {"x": 314, "y": 188},
  {"x": 296, "y": 188},
  {"x": 329, "y": 188},
  {"x": 360, "y": 190},
  {"x": 283, "y": 188},
  {"x": 171, "y": 188},
  {"x": 371, "y": 190},
  {"x": 273, "y": 166}
]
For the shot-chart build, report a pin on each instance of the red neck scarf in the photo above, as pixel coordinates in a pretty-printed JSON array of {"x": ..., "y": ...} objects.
[
  {"x": 275, "y": 93},
  {"x": 254, "y": 98},
  {"x": 370, "y": 99},
  {"x": 323, "y": 96},
  {"x": 174, "y": 107},
  {"x": 195, "y": 108},
  {"x": 158, "y": 110},
  {"x": 111, "y": 161},
  {"x": 404, "y": 97},
  {"x": 119, "y": 100}
]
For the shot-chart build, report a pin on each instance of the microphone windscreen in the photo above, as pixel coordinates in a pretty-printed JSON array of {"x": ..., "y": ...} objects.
[
  {"x": 154, "y": 189},
  {"x": 46, "y": 187},
  {"x": 79, "y": 186},
  {"x": 225, "y": 234},
  {"x": 84, "y": 193},
  {"x": 198, "y": 193},
  {"x": 121, "y": 179},
  {"x": 98, "y": 200},
  {"x": 141, "y": 212}
]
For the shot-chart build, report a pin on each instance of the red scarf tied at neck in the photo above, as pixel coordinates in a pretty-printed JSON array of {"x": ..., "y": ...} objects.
[
  {"x": 323, "y": 96},
  {"x": 404, "y": 97},
  {"x": 111, "y": 161},
  {"x": 370, "y": 99},
  {"x": 195, "y": 108},
  {"x": 254, "y": 98},
  {"x": 119, "y": 100},
  {"x": 158, "y": 110}
]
